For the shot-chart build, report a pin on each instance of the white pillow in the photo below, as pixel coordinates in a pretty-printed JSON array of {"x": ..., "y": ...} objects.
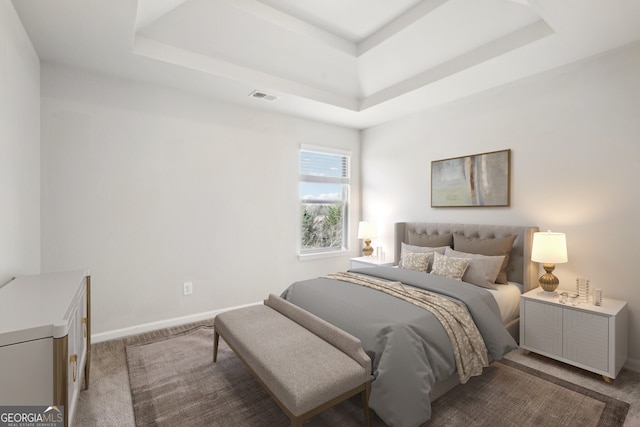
[
  {"x": 417, "y": 261},
  {"x": 452, "y": 268},
  {"x": 483, "y": 269}
]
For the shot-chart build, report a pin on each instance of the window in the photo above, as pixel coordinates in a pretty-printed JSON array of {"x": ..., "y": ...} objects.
[{"x": 324, "y": 199}]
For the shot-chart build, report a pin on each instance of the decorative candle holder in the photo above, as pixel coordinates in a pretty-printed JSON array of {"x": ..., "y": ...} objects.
[
  {"x": 564, "y": 297},
  {"x": 574, "y": 299},
  {"x": 597, "y": 297},
  {"x": 582, "y": 286}
]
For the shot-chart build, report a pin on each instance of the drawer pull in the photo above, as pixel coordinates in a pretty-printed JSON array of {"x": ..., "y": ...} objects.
[
  {"x": 84, "y": 326},
  {"x": 74, "y": 360}
]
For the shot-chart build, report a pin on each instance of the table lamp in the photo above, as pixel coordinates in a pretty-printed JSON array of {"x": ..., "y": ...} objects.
[
  {"x": 550, "y": 249},
  {"x": 367, "y": 230}
]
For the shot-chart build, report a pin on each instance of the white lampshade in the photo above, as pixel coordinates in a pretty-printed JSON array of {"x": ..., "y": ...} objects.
[
  {"x": 367, "y": 230},
  {"x": 549, "y": 248}
]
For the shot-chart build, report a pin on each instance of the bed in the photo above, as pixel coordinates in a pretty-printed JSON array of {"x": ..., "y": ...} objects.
[{"x": 415, "y": 356}]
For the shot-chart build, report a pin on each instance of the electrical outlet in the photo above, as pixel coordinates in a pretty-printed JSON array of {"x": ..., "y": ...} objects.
[{"x": 188, "y": 288}]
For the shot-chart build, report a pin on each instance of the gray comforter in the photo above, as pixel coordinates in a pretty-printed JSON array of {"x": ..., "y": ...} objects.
[{"x": 409, "y": 348}]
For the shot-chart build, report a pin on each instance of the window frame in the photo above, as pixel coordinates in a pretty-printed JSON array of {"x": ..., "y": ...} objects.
[{"x": 345, "y": 201}]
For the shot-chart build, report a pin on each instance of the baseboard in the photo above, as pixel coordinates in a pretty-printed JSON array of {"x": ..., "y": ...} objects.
[
  {"x": 633, "y": 365},
  {"x": 161, "y": 324}
]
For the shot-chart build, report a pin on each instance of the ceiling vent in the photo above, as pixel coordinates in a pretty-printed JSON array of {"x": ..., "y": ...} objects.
[{"x": 262, "y": 95}]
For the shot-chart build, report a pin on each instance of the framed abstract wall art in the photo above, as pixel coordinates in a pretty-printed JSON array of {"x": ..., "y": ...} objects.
[{"x": 476, "y": 180}]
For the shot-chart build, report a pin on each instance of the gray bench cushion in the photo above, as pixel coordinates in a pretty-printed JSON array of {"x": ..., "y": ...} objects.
[
  {"x": 335, "y": 336},
  {"x": 301, "y": 369}
]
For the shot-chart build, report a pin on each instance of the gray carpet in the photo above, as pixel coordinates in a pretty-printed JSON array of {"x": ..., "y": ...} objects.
[
  {"x": 509, "y": 394},
  {"x": 174, "y": 382}
]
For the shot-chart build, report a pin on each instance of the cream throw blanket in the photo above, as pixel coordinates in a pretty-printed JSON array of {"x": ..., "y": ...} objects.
[{"x": 468, "y": 346}]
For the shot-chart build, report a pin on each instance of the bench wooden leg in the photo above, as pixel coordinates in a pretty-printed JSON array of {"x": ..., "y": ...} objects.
[
  {"x": 365, "y": 405},
  {"x": 216, "y": 338}
]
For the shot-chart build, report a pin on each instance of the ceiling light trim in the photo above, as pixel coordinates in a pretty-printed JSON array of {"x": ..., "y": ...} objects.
[
  {"x": 295, "y": 25},
  {"x": 185, "y": 58},
  {"x": 155, "y": 50},
  {"x": 399, "y": 24},
  {"x": 499, "y": 47},
  {"x": 149, "y": 11}
]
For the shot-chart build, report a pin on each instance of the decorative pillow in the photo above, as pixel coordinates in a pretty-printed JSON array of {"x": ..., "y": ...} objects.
[
  {"x": 404, "y": 248},
  {"x": 433, "y": 240},
  {"x": 489, "y": 246},
  {"x": 482, "y": 270},
  {"x": 416, "y": 261},
  {"x": 452, "y": 268}
]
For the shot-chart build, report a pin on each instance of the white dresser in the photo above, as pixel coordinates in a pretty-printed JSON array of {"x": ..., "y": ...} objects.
[
  {"x": 588, "y": 336},
  {"x": 45, "y": 339}
]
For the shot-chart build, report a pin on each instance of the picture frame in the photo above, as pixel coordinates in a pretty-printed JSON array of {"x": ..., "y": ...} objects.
[{"x": 477, "y": 180}]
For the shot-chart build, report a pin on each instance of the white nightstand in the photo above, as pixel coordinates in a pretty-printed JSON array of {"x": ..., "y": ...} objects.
[
  {"x": 587, "y": 336},
  {"x": 368, "y": 262}
]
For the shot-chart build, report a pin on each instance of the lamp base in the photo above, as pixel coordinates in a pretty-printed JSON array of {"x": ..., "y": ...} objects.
[
  {"x": 368, "y": 249},
  {"x": 548, "y": 281}
]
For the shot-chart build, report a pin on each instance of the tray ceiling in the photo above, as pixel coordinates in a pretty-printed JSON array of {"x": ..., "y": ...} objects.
[{"x": 350, "y": 62}]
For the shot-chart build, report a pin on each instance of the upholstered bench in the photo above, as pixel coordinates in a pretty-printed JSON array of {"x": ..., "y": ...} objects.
[{"x": 306, "y": 364}]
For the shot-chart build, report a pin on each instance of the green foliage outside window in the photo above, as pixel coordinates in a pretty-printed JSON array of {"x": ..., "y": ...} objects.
[{"x": 322, "y": 226}]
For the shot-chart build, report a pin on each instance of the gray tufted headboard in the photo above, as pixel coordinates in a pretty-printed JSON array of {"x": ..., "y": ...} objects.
[{"x": 520, "y": 269}]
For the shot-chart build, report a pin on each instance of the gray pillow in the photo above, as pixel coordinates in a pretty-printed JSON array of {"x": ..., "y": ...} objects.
[
  {"x": 489, "y": 246},
  {"x": 483, "y": 269},
  {"x": 433, "y": 240}
]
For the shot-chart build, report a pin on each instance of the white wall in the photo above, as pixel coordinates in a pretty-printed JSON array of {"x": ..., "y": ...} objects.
[
  {"x": 19, "y": 149},
  {"x": 575, "y": 138},
  {"x": 150, "y": 187}
]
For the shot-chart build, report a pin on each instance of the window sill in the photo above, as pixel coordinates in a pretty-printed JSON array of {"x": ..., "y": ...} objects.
[{"x": 322, "y": 255}]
